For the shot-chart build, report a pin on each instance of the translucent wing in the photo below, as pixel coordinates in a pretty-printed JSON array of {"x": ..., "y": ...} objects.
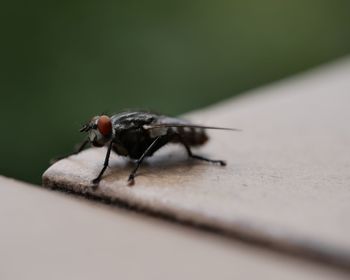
[{"x": 167, "y": 125}]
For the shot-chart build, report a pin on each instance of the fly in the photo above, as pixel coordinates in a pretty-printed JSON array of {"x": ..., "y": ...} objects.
[{"x": 138, "y": 135}]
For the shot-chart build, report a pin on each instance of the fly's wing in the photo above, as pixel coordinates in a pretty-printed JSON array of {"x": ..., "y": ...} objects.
[
  {"x": 162, "y": 124},
  {"x": 168, "y": 122},
  {"x": 159, "y": 126}
]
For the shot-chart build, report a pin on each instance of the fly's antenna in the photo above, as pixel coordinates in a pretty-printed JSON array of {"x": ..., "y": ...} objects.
[{"x": 85, "y": 128}]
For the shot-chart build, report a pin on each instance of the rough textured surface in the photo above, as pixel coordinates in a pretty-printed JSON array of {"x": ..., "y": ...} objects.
[
  {"x": 287, "y": 182},
  {"x": 47, "y": 235}
]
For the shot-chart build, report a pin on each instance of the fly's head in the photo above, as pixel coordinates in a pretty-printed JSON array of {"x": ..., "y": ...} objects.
[{"x": 99, "y": 130}]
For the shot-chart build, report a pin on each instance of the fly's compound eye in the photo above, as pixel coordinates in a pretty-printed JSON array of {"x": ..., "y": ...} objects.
[{"x": 104, "y": 126}]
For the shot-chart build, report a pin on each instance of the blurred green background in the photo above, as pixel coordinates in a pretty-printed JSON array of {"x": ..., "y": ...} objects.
[{"x": 65, "y": 61}]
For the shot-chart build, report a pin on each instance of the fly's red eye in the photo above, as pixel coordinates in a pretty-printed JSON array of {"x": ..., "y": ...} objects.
[{"x": 104, "y": 126}]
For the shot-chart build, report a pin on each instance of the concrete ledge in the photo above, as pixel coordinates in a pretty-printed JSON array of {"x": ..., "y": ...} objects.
[{"x": 288, "y": 174}]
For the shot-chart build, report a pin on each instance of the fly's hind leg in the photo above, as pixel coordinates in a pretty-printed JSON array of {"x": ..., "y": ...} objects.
[{"x": 191, "y": 155}]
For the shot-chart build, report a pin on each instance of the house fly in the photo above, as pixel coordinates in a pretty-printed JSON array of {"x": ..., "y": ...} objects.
[{"x": 138, "y": 135}]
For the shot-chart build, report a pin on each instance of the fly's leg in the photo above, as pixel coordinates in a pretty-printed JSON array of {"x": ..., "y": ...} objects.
[
  {"x": 131, "y": 179},
  {"x": 77, "y": 150},
  {"x": 105, "y": 165},
  {"x": 190, "y": 154}
]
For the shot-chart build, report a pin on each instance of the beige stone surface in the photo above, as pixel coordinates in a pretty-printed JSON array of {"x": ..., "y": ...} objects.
[
  {"x": 52, "y": 235},
  {"x": 287, "y": 181}
]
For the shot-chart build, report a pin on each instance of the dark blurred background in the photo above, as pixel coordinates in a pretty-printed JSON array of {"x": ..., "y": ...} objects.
[{"x": 65, "y": 61}]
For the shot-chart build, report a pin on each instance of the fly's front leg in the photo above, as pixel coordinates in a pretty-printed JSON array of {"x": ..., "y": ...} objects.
[
  {"x": 131, "y": 179},
  {"x": 77, "y": 150},
  {"x": 190, "y": 154},
  {"x": 105, "y": 165}
]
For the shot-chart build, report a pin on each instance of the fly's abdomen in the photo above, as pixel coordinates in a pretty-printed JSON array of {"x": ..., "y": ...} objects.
[{"x": 192, "y": 136}]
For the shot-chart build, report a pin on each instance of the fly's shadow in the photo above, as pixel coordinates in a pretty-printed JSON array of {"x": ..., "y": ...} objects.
[{"x": 168, "y": 161}]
